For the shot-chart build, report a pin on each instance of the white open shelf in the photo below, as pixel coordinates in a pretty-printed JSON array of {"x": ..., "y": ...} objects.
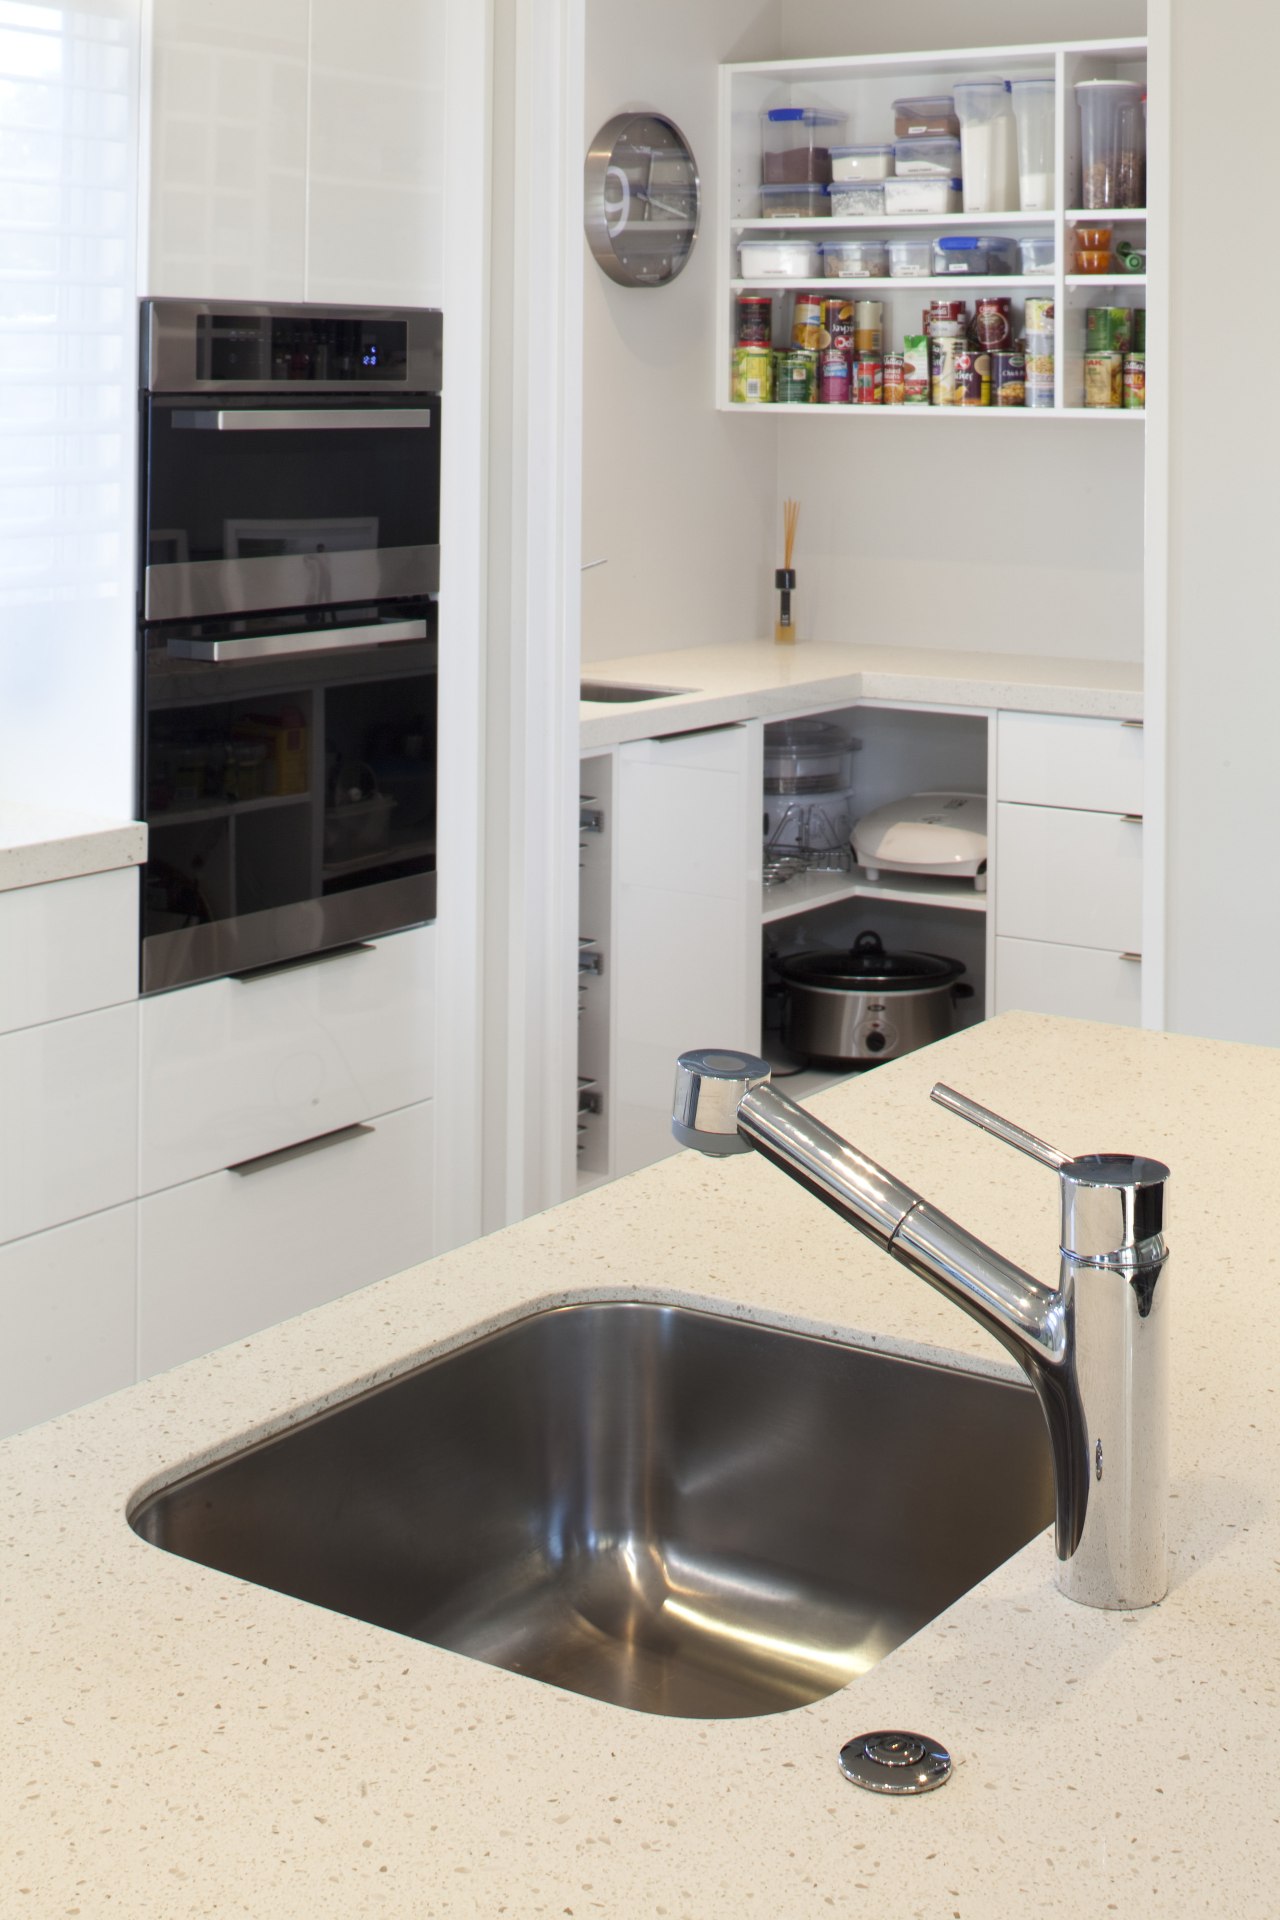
[
  {"x": 956, "y": 283},
  {"x": 774, "y": 409},
  {"x": 806, "y": 891}
]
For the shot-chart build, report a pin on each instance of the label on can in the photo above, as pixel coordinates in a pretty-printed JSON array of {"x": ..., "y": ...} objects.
[
  {"x": 752, "y": 375},
  {"x": 834, "y": 375},
  {"x": 1135, "y": 380},
  {"x": 944, "y": 355},
  {"x": 1108, "y": 329},
  {"x": 993, "y": 320},
  {"x": 1008, "y": 377},
  {"x": 1039, "y": 387},
  {"x": 1103, "y": 379},
  {"x": 895, "y": 379},
  {"x": 838, "y": 321},
  {"x": 915, "y": 364},
  {"x": 870, "y": 380},
  {"x": 973, "y": 378},
  {"x": 807, "y": 330},
  {"x": 755, "y": 320},
  {"x": 1039, "y": 316},
  {"x": 795, "y": 377}
]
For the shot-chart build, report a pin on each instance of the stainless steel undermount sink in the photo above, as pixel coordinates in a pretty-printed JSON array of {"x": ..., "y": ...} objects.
[
  {"x": 619, "y": 695},
  {"x": 664, "y": 1509}
]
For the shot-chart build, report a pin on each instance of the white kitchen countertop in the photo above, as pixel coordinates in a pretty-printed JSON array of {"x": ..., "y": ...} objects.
[
  {"x": 178, "y": 1743},
  {"x": 757, "y": 679},
  {"x": 38, "y": 844}
]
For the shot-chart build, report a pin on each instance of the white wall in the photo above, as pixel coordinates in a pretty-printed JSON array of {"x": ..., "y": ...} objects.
[
  {"x": 678, "y": 499},
  {"x": 812, "y": 28}
]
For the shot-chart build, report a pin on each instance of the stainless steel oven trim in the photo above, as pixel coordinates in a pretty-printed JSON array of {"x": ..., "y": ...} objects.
[
  {"x": 201, "y": 589},
  {"x": 251, "y": 940},
  {"x": 303, "y": 419},
  {"x": 169, "y": 330},
  {"x": 290, "y": 646}
]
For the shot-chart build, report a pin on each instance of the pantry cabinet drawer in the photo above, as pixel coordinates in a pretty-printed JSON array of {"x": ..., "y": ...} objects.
[
  {"x": 222, "y": 1257},
  {"x": 1069, "y": 877},
  {"x": 236, "y": 1068},
  {"x": 68, "y": 947},
  {"x": 67, "y": 1317},
  {"x": 1082, "y": 983},
  {"x": 1052, "y": 760},
  {"x": 68, "y": 1119}
]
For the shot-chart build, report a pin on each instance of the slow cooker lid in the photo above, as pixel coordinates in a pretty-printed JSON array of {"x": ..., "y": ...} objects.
[{"x": 868, "y": 965}]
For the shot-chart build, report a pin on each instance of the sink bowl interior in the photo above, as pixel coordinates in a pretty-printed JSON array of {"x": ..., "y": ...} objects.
[
  {"x": 664, "y": 1509},
  {"x": 618, "y": 695}
]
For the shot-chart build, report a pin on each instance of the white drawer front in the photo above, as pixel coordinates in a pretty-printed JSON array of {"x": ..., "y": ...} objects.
[
  {"x": 1082, "y": 983},
  {"x": 223, "y": 1257},
  {"x": 69, "y": 947},
  {"x": 67, "y": 1317},
  {"x": 1068, "y": 877},
  {"x": 236, "y": 1068},
  {"x": 68, "y": 1119},
  {"x": 1052, "y": 760}
]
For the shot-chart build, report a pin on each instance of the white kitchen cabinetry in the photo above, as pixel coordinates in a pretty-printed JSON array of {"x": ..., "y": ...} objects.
[
  {"x": 68, "y": 1143},
  {"x": 297, "y": 150},
  {"x": 1068, "y": 852}
]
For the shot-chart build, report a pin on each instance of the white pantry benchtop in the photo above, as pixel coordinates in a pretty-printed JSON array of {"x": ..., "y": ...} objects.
[
  {"x": 39, "y": 844},
  {"x": 756, "y": 679},
  {"x": 178, "y": 1743}
]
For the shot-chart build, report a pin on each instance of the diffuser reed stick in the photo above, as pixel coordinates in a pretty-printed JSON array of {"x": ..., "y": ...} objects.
[{"x": 784, "y": 631}]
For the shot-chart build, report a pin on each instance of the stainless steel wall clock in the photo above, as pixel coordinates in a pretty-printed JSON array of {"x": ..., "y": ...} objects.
[{"x": 641, "y": 199}]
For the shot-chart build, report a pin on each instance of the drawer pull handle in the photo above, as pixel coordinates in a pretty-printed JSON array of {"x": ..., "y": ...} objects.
[
  {"x": 1131, "y": 956},
  {"x": 1132, "y": 723},
  {"x": 280, "y": 1155},
  {"x": 1132, "y": 819},
  {"x": 273, "y": 967}
]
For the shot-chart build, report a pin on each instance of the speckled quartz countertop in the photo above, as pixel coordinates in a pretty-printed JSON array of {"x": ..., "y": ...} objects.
[
  {"x": 715, "y": 686},
  {"x": 38, "y": 844},
  {"x": 177, "y": 1743}
]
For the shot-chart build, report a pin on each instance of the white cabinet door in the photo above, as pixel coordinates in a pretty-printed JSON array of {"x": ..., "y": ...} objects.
[
  {"x": 686, "y": 940},
  {"x": 375, "y": 203},
  {"x": 69, "y": 947},
  {"x": 1057, "y": 760},
  {"x": 228, "y": 214},
  {"x": 1082, "y": 983},
  {"x": 68, "y": 1119},
  {"x": 67, "y": 1317},
  {"x": 236, "y": 1068},
  {"x": 223, "y": 1257},
  {"x": 1069, "y": 877}
]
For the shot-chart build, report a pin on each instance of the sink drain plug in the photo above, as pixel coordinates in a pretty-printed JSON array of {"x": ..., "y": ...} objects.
[{"x": 895, "y": 1762}]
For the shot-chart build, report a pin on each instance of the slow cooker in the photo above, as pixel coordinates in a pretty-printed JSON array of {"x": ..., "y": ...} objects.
[{"x": 860, "y": 1007}]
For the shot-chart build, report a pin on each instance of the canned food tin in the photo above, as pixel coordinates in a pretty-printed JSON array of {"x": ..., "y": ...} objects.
[
  {"x": 915, "y": 355},
  {"x": 834, "y": 376},
  {"x": 755, "y": 320},
  {"x": 993, "y": 320},
  {"x": 870, "y": 380},
  {"x": 795, "y": 377},
  {"x": 838, "y": 321},
  {"x": 868, "y": 326},
  {"x": 1008, "y": 377},
  {"x": 752, "y": 375},
  {"x": 1039, "y": 316},
  {"x": 1108, "y": 329},
  {"x": 973, "y": 378},
  {"x": 1039, "y": 386},
  {"x": 1139, "y": 330},
  {"x": 1103, "y": 379},
  {"x": 807, "y": 330},
  {"x": 946, "y": 319},
  {"x": 1135, "y": 380},
  {"x": 944, "y": 354},
  {"x": 895, "y": 379}
]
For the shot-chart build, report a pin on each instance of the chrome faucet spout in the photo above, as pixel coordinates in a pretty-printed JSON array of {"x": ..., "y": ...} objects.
[{"x": 1094, "y": 1347}]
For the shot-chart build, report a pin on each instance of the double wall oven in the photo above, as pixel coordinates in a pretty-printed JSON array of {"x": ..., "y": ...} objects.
[{"x": 287, "y": 640}]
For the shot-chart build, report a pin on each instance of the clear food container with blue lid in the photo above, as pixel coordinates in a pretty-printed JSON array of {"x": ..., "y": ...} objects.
[
  {"x": 862, "y": 163},
  {"x": 974, "y": 253},
  {"x": 797, "y": 143}
]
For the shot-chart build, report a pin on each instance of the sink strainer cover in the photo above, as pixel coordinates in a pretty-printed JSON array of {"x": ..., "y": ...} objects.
[{"x": 895, "y": 1762}]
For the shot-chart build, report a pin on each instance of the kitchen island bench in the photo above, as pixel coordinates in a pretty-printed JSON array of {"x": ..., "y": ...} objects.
[{"x": 178, "y": 1743}]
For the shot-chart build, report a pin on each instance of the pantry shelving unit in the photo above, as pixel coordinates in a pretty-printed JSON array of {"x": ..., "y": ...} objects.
[{"x": 863, "y": 88}]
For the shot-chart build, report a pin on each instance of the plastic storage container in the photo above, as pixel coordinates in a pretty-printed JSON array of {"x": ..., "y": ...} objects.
[
  {"x": 803, "y": 202},
  {"x": 797, "y": 144},
  {"x": 848, "y": 199},
  {"x": 973, "y": 253},
  {"x": 807, "y": 756},
  {"x": 988, "y": 146},
  {"x": 930, "y": 154},
  {"x": 922, "y": 193},
  {"x": 1033, "y": 113},
  {"x": 854, "y": 259},
  {"x": 925, "y": 113},
  {"x": 779, "y": 259},
  {"x": 910, "y": 259},
  {"x": 1038, "y": 255},
  {"x": 861, "y": 163},
  {"x": 1112, "y": 143}
]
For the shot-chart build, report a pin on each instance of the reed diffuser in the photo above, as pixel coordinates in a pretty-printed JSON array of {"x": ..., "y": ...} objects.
[{"x": 784, "y": 630}]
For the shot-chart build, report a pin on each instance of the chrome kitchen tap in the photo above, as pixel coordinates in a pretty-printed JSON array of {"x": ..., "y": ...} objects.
[{"x": 1094, "y": 1347}]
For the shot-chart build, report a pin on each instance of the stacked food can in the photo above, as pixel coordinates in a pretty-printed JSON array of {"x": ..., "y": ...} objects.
[{"x": 1115, "y": 357}]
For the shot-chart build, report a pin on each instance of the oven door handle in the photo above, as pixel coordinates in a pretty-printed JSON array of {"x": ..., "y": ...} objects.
[
  {"x": 285, "y": 646},
  {"x": 303, "y": 419}
]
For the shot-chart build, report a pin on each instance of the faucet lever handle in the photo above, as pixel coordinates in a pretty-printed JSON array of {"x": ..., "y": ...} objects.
[{"x": 1013, "y": 1136}]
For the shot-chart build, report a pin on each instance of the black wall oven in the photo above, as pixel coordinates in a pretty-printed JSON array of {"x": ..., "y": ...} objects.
[{"x": 288, "y": 643}]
